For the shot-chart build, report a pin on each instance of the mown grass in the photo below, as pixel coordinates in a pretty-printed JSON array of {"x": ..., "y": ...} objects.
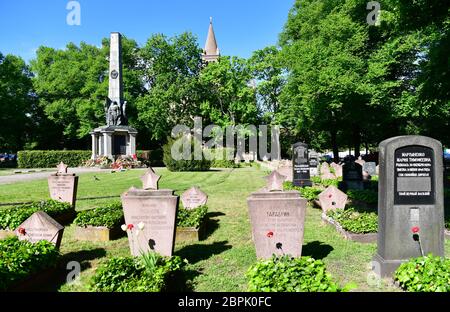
[{"x": 220, "y": 262}]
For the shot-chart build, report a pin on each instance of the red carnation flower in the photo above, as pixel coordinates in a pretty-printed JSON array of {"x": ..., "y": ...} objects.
[
  {"x": 329, "y": 196},
  {"x": 130, "y": 226},
  {"x": 22, "y": 231},
  {"x": 415, "y": 229},
  {"x": 269, "y": 234}
]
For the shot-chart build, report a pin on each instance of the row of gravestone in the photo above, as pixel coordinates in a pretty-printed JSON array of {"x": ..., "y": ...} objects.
[
  {"x": 305, "y": 163},
  {"x": 150, "y": 213},
  {"x": 410, "y": 212},
  {"x": 410, "y": 197}
]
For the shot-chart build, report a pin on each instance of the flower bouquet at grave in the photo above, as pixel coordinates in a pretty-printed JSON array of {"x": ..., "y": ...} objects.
[{"x": 126, "y": 162}]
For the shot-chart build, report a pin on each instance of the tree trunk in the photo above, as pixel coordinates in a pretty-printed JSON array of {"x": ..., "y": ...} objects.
[
  {"x": 334, "y": 144},
  {"x": 357, "y": 141}
]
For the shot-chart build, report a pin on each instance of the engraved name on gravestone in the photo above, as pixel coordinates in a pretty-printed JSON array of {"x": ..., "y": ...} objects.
[
  {"x": 301, "y": 174},
  {"x": 410, "y": 196},
  {"x": 194, "y": 198},
  {"x": 40, "y": 226},
  {"x": 277, "y": 220},
  {"x": 63, "y": 186}
]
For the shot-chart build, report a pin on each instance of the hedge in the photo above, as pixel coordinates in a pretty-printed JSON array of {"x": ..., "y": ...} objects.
[
  {"x": 50, "y": 159},
  {"x": 11, "y": 218}
]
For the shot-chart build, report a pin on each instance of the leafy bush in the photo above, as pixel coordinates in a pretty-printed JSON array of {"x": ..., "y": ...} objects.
[
  {"x": 191, "y": 218},
  {"x": 326, "y": 182},
  {"x": 354, "y": 221},
  {"x": 109, "y": 216},
  {"x": 11, "y": 218},
  {"x": 286, "y": 274},
  {"x": 310, "y": 193},
  {"x": 151, "y": 158},
  {"x": 50, "y": 159},
  {"x": 19, "y": 259},
  {"x": 367, "y": 196},
  {"x": 148, "y": 273},
  {"x": 222, "y": 158},
  {"x": 424, "y": 274},
  {"x": 184, "y": 165}
]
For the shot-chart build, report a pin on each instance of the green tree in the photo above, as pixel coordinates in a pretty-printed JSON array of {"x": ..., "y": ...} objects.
[
  {"x": 268, "y": 73},
  {"x": 171, "y": 67},
  {"x": 230, "y": 99},
  {"x": 72, "y": 85},
  {"x": 16, "y": 100},
  {"x": 323, "y": 49}
]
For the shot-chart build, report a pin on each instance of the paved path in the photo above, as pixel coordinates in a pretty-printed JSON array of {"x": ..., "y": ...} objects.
[{"x": 23, "y": 177}]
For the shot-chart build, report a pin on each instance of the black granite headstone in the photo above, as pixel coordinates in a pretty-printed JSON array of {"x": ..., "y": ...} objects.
[
  {"x": 352, "y": 176},
  {"x": 300, "y": 165},
  {"x": 410, "y": 202}
]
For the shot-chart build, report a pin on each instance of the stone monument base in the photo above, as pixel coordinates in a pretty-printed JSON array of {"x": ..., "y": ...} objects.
[
  {"x": 112, "y": 141},
  {"x": 385, "y": 268}
]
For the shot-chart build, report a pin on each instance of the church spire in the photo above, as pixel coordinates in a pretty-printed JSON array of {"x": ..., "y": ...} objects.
[{"x": 211, "y": 52}]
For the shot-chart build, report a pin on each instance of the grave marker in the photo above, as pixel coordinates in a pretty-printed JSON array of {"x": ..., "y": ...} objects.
[
  {"x": 410, "y": 197},
  {"x": 150, "y": 217},
  {"x": 194, "y": 198},
  {"x": 301, "y": 175},
  {"x": 277, "y": 220},
  {"x": 332, "y": 198},
  {"x": 63, "y": 186},
  {"x": 40, "y": 226},
  {"x": 352, "y": 176}
]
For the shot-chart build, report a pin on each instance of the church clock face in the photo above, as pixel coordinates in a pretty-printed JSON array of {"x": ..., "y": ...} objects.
[{"x": 114, "y": 74}]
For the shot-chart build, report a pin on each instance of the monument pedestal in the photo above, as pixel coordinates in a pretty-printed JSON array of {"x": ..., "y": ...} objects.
[
  {"x": 156, "y": 210},
  {"x": 111, "y": 141},
  {"x": 277, "y": 220}
]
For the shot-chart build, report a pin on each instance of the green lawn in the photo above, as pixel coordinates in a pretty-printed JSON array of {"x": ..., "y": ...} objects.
[{"x": 218, "y": 263}]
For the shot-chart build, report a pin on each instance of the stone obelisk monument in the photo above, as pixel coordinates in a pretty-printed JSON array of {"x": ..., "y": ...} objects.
[{"x": 116, "y": 139}]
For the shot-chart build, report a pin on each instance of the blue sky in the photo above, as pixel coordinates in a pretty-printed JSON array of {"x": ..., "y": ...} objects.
[{"x": 241, "y": 26}]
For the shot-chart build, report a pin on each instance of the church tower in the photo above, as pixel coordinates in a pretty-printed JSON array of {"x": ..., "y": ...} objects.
[{"x": 211, "y": 51}]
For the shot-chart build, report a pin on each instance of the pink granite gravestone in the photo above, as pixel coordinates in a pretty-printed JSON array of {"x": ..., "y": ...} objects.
[
  {"x": 63, "y": 186},
  {"x": 40, "y": 226},
  {"x": 287, "y": 171},
  {"x": 194, "y": 198},
  {"x": 332, "y": 198},
  {"x": 337, "y": 170},
  {"x": 277, "y": 219},
  {"x": 150, "y": 217}
]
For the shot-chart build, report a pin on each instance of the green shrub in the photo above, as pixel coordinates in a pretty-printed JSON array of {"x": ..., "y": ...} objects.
[
  {"x": 19, "y": 259},
  {"x": 286, "y": 274},
  {"x": 326, "y": 182},
  {"x": 222, "y": 158},
  {"x": 110, "y": 216},
  {"x": 11, "y": 218},
  {"x": 367, "y": 196},
  {"x": 424, "y": 274},
  {"x": 191, "y": 218},
  {"x": 310, "y": 193},
  {"x": 354, "y": 221},
  {"x": 148, "y": 273},
  {"x": 151, "y": 158},
  {"x": 184, "y": 165},
  {"x": 50, "y": 159}
]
